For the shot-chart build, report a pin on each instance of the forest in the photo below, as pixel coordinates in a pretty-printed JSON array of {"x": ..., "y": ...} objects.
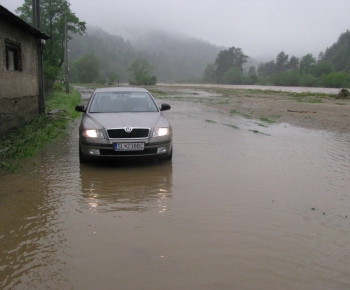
[
  {"x": 184, "y": 59},
  {"x": 157, "y": 56},
  {"x": 171, "y": 58},
  {"x": 330, "y": 69}
]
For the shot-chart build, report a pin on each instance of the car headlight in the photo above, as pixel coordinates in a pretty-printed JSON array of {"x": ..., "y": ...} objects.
[
  {"x": 93, "y": 133},
  {"x": 158, "y": 132}
]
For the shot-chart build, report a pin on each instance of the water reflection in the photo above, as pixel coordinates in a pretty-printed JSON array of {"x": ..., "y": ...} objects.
[
  {"x": 125, "y": 186},
  {"x": 31, "y": 233},
  {"x": 253, "y": 211}
]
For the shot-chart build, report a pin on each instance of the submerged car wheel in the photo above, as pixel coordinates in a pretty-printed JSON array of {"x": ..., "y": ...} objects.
[
  {"x": 82, "y": 157},
  {"x": 170, "y": 156}
]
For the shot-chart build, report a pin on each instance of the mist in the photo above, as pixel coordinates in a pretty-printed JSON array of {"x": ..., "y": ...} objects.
[{"x": 261, "y": 29}]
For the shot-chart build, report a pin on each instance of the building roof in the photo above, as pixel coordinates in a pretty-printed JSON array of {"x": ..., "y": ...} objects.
[{"x": 15, "y": 20}]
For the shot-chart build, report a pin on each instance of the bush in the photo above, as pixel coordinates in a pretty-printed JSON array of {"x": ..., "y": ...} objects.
[
  {"x": 233, "y": 76},
  {"x": 323, "y": 67},
  {"x": 335, "y": 80},
  {"x": 251, "y": 79},
  {"x": 308, "y": 80},
  {"x": 101, "y": 81},
  {"x": 288, "y": 78},
  {"x": 144, "y": 80},
  {"x": 58, "y": 87}
]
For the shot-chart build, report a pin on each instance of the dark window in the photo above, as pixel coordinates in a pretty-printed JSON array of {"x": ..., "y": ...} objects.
[{"x": 13, "y": 56}]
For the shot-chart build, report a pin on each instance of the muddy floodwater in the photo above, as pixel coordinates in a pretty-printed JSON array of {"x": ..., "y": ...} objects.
[{"x": 241, "y": 206}]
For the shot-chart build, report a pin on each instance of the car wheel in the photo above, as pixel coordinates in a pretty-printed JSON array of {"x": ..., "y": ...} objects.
[
  {"x": 82, "y": 157},
  {"x": 170, "y": 156}
]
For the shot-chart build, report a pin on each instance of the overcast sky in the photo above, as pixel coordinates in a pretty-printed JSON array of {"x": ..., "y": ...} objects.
[{"x": 258, "y": 27}]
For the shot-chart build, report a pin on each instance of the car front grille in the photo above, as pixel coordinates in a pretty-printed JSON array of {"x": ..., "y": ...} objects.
[{"x": 135, "y": 133}]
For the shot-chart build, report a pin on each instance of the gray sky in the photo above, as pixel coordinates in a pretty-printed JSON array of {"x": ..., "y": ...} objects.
[{"x": 258, "y": 27}]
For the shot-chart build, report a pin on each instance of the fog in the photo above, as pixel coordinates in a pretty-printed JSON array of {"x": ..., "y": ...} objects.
[{"x": 261, "y": 28}]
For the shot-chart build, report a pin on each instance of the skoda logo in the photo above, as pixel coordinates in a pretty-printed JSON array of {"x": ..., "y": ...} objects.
[{"x": 128, "y": 130}]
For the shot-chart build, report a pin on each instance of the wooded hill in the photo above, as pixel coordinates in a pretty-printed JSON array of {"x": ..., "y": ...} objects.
[
  {"x": 181, "y": 58},
  {"x": 174, "y": 57}
]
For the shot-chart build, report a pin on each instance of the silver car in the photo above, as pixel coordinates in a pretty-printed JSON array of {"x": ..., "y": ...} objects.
[{"x": 124, "y": 122}]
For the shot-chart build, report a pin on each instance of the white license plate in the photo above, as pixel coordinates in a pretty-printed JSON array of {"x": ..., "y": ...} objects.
[{"x": 129, "y": 146}]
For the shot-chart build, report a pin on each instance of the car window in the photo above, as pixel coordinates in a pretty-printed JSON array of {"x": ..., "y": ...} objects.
[{"x": 122, "y": 102}]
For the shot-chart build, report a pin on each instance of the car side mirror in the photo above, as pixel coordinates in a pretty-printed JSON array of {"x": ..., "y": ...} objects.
[
  {"x": 165, "y": 107},
  {"x": 80, "y": 108}
]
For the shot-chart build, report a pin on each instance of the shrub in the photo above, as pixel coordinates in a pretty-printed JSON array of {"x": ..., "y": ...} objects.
[
  {"x": 101, "y": 81},
  {"x": 288, "y": 78},
  {"x": 58, "y": 87},
  {"x": 233, "y": 76},
  {"x": 251, "y": 79},
  {"x": 308, "y": 80},
  {"x": 335, "y": 80}
]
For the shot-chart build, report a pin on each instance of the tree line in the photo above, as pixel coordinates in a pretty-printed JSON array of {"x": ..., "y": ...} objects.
[
  {"x": 97, "y": 56},
  {"x": 330, "y": 69}
]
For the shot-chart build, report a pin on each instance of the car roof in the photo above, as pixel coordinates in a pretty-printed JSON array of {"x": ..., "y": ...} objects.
[{"x": 120, "y": 89}]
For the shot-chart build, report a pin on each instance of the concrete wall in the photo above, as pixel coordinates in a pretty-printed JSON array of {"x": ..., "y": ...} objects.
[{"x": 19, "y": 90}]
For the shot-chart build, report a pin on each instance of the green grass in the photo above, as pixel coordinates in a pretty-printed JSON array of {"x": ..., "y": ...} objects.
[
  {"x": 258, "y": 132},
  {"x": 209, "y": 121},
  {"x": 235, "y": 112},
  {"x": 26, "y": 140},
  {"x": 270, "y": 119},
  {"x": 310, "y": 101},
  {"x": 231, "y": 126}
]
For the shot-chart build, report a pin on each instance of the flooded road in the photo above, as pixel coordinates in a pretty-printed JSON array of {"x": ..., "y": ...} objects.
[{"x": 241, "y": 206}]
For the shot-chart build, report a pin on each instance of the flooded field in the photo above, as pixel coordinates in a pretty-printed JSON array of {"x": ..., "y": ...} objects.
[{"x": 241, "y": 206}]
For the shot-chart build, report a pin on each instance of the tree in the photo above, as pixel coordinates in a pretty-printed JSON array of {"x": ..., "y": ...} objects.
[
  {"x": 113, "y": 77},
  {"x": 140, "y": 73},
  {"x": 53, "y": 14},
  {"x": 252, "y": 70},
  {"x": 86, "y": 69},
  {"x": 323, "y": 67},
  {"x": 233, "y": 76},
  {"x": 209, "y": 74},
  {"x": 307, "y": 64},
  {"x": 339, "y": 52},
  {"x": 281, "y": 62},
  {"x": 267, "y": 69},
  {"x": 226, "y": 59},
  {"x": 293, "y": 63}
]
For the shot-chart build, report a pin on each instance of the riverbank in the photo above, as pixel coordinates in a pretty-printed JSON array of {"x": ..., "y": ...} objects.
[{"x": 311, "y": 109}]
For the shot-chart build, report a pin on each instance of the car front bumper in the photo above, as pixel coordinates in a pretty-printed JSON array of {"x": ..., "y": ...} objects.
[{"x": 156, "y": 150}]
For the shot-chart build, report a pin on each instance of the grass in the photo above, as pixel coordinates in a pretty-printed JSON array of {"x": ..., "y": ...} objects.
[
  {"x": 231, "y": 126},
  {"x": 25, "y": 141},
  {"x": 310, "y": 101},
  {"x": 235, "y": 112},
  {"x": 258, "y": 132},
  {"x": 261, "y": 125},
  {"x": 270, "y": 119},
  {"x": 209, "y": 121}
]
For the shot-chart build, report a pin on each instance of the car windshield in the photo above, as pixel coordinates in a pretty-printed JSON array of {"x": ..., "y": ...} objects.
[{"x": 116, "y": 102}]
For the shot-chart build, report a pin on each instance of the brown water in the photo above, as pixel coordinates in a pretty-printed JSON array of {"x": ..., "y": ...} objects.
[{"x": 233, "y": 210}]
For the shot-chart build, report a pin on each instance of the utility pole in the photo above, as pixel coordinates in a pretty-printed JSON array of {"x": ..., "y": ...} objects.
[
  {"x": 66, "y": 56},
  {"x": 36, "y": 24}
]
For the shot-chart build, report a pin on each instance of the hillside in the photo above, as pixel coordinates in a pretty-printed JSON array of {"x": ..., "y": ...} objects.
[{"x": 174, "y": 57}]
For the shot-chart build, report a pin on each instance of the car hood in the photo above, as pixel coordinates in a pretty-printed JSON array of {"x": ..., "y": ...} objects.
[{"x": 121, "y": 120}]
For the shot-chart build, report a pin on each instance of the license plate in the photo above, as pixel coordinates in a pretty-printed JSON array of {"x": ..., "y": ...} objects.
[{"x": 129, "y": 146}]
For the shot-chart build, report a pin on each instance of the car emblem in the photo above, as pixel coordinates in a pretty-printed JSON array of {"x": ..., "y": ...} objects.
[{"x": 128, "y": 129}]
